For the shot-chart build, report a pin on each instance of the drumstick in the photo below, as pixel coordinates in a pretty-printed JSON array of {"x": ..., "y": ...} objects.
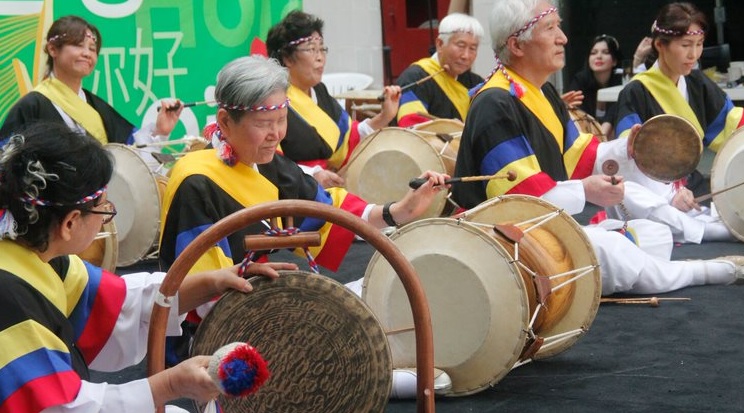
[
  {"x": 510, "y": 175},
  {"x": 188, "y": 105},
  {"x": 418, "y": 82},
  {"x": 712, "y": 194},
  {"x": 652, "y": 301}
]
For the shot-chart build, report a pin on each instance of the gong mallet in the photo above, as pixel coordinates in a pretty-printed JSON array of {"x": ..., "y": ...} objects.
[
  {"x": 510, "y": 175},
  {"x": 652, "y": 301},
  {"x": 712, "y": 194},
  {"x": 187, "y": 105},
  {"x": 418, "y": 82}
]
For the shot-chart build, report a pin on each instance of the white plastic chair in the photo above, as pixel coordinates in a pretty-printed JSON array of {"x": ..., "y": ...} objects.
[{"x": 343, "y": 81}]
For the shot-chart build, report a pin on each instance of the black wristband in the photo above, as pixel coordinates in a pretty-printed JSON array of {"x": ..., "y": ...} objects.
[{"x": 387, "y": 216}]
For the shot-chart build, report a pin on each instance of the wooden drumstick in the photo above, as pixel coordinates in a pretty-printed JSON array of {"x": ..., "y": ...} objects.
[
  {"x": 418, "y": 82},
  {"x": 712, "y": 194},
  {"x": 652, "y": 301},
  {"x": 510, "y": 175},
  {"x": 187, "y": 105}
]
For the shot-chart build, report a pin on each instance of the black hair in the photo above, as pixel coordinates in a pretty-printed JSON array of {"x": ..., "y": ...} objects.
[
  {"x": 295, "y": 25},
  {"x": 47, "y": 161}
]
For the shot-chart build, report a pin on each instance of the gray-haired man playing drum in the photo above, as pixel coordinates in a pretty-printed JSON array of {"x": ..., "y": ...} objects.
[{"x": 517, "y": 121}]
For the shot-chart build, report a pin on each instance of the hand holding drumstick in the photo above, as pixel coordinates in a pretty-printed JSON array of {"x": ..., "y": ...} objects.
[{"x": 418, "y": 82}]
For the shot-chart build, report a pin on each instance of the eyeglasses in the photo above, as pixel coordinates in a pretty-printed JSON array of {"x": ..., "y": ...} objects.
[
  {"x": 314, "y": 50},
  {"x": 108, "y": 209},
  {"x": 607, "y": 38}
]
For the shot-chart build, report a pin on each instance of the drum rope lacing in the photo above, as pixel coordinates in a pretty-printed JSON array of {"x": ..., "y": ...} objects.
[
  {"x": 278, "y": 232},
  {"x": 578, "y": 273}
]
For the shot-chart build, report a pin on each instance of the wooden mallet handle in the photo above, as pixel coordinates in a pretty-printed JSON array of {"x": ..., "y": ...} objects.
[{"x": 510, "y": 175}]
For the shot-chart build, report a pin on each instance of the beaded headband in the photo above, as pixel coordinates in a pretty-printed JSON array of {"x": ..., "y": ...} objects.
[
  {"x": 304, "y": 40},
  {"x": 61, "y": 35},
  {"x": 656, "y": 29},
  {"x": 42, "y": 202},
  {"x": 533, "y": 21},
  {"x": 269, "y": 108}
]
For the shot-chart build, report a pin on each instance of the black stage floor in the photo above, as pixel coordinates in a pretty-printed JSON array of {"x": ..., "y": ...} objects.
[{"x": 678, "y": 357}]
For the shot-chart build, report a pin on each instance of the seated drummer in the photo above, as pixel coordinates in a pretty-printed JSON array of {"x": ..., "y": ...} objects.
[
  {"x": 320, "y": 133},
  {"x": 73, "y": 45},
  {"x": 245, "y": 170},
  {"x": 517, "y": 121},
  {"x": 446, "y": 94},
  {"x": 674, "y": 86}
]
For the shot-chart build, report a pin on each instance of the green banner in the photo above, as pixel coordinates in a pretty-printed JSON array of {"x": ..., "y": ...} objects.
[{"x": 152, "y": 49}]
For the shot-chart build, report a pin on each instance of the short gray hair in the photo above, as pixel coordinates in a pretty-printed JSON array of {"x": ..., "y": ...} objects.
[
  {"x": 459, "y": 23},
  {"x": 248, "y": 81},
  {"x": 508, "y": 16}
]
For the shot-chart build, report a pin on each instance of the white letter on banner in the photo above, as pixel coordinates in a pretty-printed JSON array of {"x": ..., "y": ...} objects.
[{"x": 125, "y": 9}]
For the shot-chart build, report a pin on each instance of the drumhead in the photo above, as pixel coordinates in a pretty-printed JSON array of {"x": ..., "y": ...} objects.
[
  {"x": 104, "y": 250},
  {"x": 571, "y": 241},
  {"x": 725, "y": 173},
  {"x": 475, "y": 294},
  {"x": 325, "y": 350},
  {"x": 381, "y": 166},
  {"x": 134, "y": 191},
  {"x": 667, "y": 148}
]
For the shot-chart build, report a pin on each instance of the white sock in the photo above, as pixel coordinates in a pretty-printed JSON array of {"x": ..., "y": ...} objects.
[
  {"x": 716, "y": 231},
  {"x": 719, "y": 272},
  {"x": 404, "y": 384}
]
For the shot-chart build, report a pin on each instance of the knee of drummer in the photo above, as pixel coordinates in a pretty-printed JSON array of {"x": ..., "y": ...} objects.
[{"x": 620, "y": 261}]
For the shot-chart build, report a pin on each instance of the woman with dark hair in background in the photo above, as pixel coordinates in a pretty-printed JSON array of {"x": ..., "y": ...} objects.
[
  {"x": 599, "y": 72},
  {"x": 73, "y": 45},
  {"x": 320, "y": 133}
]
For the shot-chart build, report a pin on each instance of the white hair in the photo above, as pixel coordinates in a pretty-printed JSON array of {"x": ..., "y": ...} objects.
[
  {"x": 247, "y": 81},
  {"x": 508, "y": 16},
  {"x": 459, "y": 23}
]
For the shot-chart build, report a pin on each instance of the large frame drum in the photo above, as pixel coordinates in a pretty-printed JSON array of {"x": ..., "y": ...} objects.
[
  {"x": 726, "y": 172},
  {"x": 134, "y": 190},
  {"x": 490, "y": 297},
  {"x": 381, "y": 166}
]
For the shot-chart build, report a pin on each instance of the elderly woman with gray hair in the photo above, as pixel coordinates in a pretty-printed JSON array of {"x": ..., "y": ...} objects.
[{"x": 244, "y": 169}]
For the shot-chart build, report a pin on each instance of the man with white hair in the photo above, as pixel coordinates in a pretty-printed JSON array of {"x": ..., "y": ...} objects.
[
  {"x": 517, "y": 121},
  {"x": 445, "y": 95}
]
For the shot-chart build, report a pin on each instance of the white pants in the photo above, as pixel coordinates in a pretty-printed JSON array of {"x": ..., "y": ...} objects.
[{"x": 625, "y": 267}]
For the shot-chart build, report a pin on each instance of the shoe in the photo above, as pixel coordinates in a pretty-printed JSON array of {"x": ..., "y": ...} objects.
[
  {"x": 738, "y": 261},
  {"x": 404, "y": 383}
]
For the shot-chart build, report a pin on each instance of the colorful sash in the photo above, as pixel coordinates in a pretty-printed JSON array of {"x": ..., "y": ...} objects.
[{"x": 70, "y": 102}]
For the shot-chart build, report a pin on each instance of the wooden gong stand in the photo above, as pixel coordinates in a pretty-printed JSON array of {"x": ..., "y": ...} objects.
[{"x": 289, "y": 208}]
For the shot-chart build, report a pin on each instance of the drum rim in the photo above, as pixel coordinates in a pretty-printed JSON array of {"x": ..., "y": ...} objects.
[
  {"x": 146, "y": 223},
  {"x": 724, "y": 157},
  {"x": 374, "y": 282},
  {"x": 352, "y": 305}
]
